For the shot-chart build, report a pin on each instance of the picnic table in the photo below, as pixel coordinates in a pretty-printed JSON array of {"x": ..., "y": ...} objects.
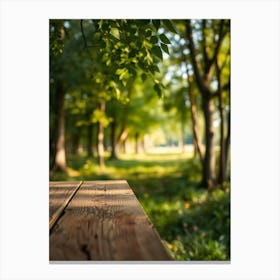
[{"x": 100, "y": 221}]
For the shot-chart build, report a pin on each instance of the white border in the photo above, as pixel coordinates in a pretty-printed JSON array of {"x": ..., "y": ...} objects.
[{"x": 24, "y": 138}]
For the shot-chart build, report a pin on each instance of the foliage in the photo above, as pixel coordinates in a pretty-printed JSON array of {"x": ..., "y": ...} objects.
[
  {"x": 117, "y": 49},
  {"x": 194, "y": 226}
]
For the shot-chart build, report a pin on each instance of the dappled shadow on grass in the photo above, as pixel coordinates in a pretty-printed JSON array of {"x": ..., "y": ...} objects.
[
  {"x": 197, "y": 228},
  {"x": 133, "y": 167}
]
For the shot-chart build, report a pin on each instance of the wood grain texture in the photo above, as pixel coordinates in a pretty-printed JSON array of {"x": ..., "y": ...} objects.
[
  {"x": 105, "y": 221},
  {"x": 59, "y": 192},
  {"x": 56, "y": 215}
]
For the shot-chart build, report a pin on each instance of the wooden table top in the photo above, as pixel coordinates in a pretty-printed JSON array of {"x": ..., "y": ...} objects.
[{"x": 101, "y": 221}]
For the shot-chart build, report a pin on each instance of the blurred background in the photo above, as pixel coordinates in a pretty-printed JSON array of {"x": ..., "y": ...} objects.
[{"x": 148, "y": 101}]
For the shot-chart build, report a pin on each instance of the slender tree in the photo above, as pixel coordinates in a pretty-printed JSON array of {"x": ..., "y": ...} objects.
[
  {"x": 194, "y": 116},
  {"x": 57, "y": 133},
  {"x": 204, "y": 70}
]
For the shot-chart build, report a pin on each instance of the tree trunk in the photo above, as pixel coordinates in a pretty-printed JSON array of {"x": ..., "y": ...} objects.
[
  {"x": 196, "y": 142},
  {"x": 194, "y": 115},
  {"x": 123, "y": 135},
  {"x": 223, "y": 149},
  {"x": 113, "y": 140},
  {"x": 60, "y": 153},
  {"x": 52, "y": 151},
  {"x": 90, "y": 141},
  {"x": 100, "y": 138},
  {"x": 203, "y": 79},
  {"x": 137, "y": 143},
  {"x": 221, "y": 175},
  {"x": 209, "y": 159},
  {"x": 123, "y": 122},
  {"x": 125, "y": 146},
  {"x": 227, "y": 146}
]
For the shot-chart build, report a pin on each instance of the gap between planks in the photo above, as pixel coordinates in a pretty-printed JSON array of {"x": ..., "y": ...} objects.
[{"x": 61, "y": 209}]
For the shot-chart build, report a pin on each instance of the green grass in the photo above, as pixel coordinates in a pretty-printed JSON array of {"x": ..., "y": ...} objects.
[{"x": 193, "y": 224}]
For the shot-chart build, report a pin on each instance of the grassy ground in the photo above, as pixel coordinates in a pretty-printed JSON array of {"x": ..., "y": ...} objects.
[{"x": 192, "y": 224}]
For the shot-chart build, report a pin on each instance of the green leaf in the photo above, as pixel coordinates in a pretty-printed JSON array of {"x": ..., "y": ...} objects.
[
  {"x": 154, "y": 69},
  {"x": 168, "y": 24},
  {"x": 144, "y": 77},
  {"x": 154, "y": 40},
  {"x": 122, "y": 72},
  {"x": 164, "y": 48},
  {"x": 156, "y": 50},
  {"x": 108, "y": 62},
  {"x": 115, "y": 33},
  {"x": 156, "y": 23},
  {"x": 119, "y": 71},
  {"x": 158, "y": 90},
  {"x": 164, "y": 39}
]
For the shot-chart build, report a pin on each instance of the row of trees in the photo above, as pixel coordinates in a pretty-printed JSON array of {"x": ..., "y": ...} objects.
[
  {"x": 202, "y": 53},
  {"x": 119, "y": 76}
]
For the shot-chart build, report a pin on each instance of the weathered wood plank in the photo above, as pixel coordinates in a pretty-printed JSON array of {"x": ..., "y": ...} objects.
[
  {"x": 56, "y": 215},
  {"x": 59, "y": 192},
  {"x": 105, "y": 221}
]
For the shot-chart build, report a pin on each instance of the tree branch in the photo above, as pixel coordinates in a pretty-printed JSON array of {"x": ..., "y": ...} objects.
[
  {"x": 216, "y": 51},
  {"x": 194, "y": 117},
  {"x": 197, "y": 71},
  {"x": 205, "y": 54}
]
